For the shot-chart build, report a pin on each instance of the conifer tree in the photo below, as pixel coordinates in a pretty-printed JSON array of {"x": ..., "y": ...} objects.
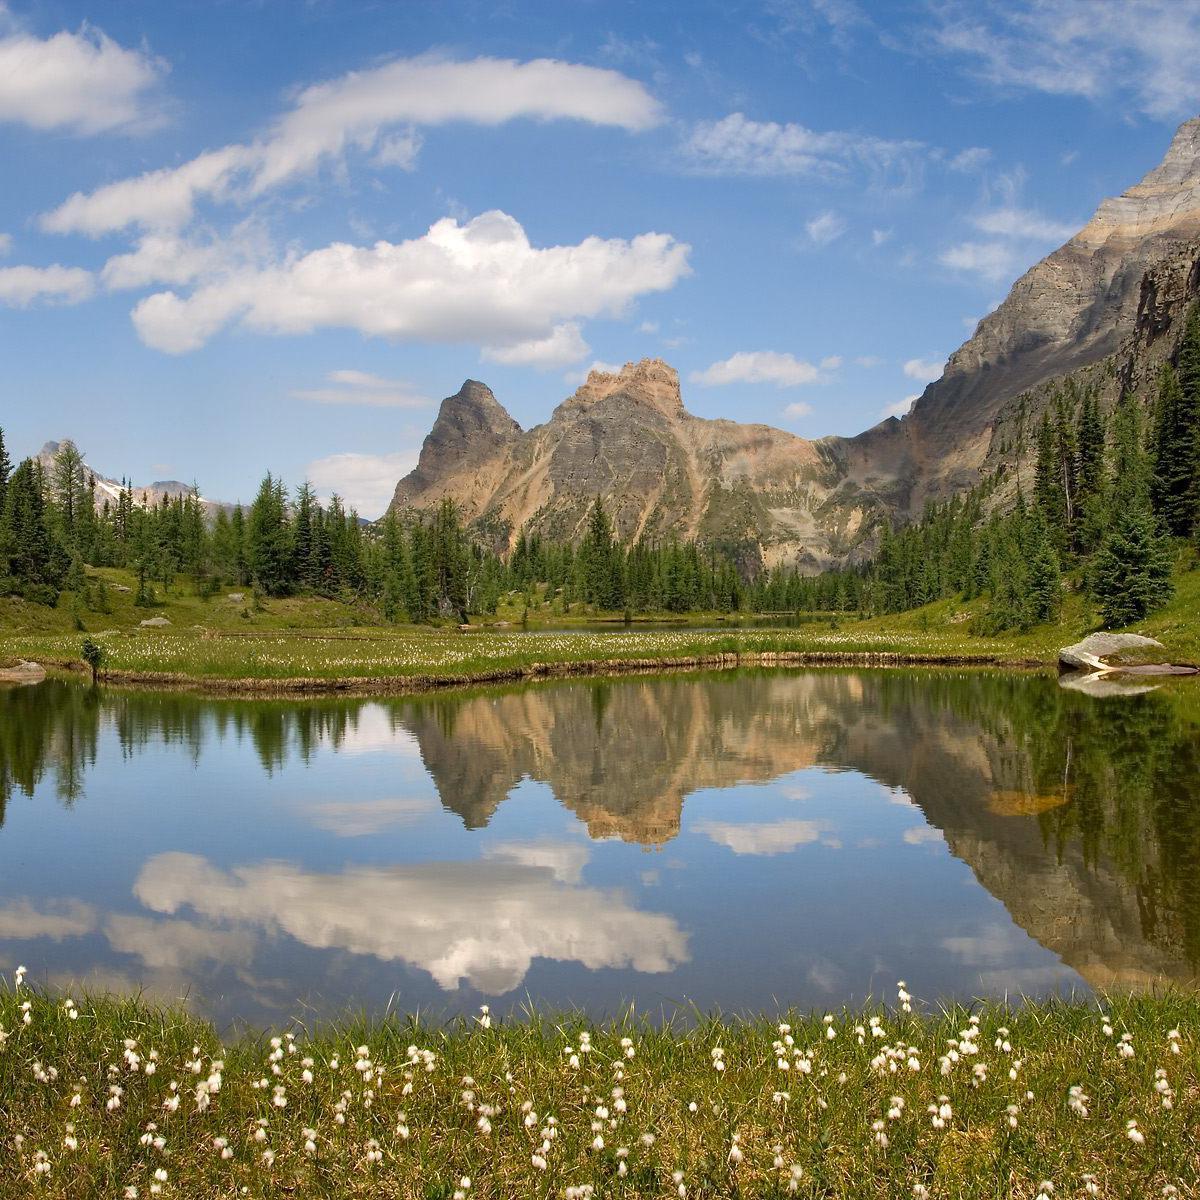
[
  {"x": 1174, "y": 489},
  {"x": 1130, "y": 575},
  {"x": 5, "y": 470}
]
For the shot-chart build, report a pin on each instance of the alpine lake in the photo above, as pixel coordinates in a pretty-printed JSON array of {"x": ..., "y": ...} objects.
[{"x": 740, "y": 841}]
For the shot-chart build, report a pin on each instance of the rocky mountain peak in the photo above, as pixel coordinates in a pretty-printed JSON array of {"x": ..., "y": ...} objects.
[
  {"x": 474, "y": 406},
  {"x": 650, "y": 381},
  {"x": 1168, "y": 195}
]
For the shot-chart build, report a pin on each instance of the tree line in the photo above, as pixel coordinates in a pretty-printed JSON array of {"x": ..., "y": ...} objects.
[{"x": 1109, "y": 493}]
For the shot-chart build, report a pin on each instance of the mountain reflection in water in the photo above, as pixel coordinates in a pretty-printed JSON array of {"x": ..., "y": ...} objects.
[{"x": 742, "y": 839}]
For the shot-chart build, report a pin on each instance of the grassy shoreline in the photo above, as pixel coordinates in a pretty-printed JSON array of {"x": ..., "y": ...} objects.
[
  {"x": 98, "y": 1095},
  {"x": 293, "y": 647}
]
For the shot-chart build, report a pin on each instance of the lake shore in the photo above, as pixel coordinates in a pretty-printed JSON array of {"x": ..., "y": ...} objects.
[
  {"x": 293, "y": 648},
  {"x": 119, "y": 1097},
  {"x": 529, "y": 672}
]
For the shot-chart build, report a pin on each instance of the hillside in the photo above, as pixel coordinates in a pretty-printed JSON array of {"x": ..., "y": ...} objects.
[{"x": 1104, "y": 307}]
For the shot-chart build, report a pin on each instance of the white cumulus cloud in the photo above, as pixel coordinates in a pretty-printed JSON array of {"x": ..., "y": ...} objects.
[
  {"x": 900, "y": 407},
  {"x": 995, "y": 262},
  {"x": 923, "y": 370},
  {"x": 356, "y": 112},
  {"x": 760, "y": 366},
  {"x": 564, "y": 344},
  {"x": 481, "y": 281},
  {"x": 365, "y": 482},
  {"x": 22, "y": 286},
  {"x": 83, "y": 82}
]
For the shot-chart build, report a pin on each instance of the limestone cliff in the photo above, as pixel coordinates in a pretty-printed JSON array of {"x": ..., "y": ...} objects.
[
  {"x": 627, "y": 437},
  {"x": 1094, "y": 308}
]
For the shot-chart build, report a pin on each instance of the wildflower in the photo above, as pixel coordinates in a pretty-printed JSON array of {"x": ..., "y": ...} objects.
[
  {"x": 485, "y": 1017},
  {"x": 1133, "y": 1133},
  {"x": 1077, "y": 1101},
  {"x": 904, "y": 998},
  {"x": 1173, "y": 1041},
  {"x": 1125, "y": 1047},
  {"x": 1012, "y": 1111},
  {"x": 41, "y": 1163},
  {"x": 539, "y": 1162},
  {"x": 920, "y": 1191},
  {"x": 1090, "y": 1185},
  {"x": 735, "y": 1152},
  {"x": 881, "y": 1137},
  {"x": 627, "y": 1047},
  {"x": 19, "y": 976}
]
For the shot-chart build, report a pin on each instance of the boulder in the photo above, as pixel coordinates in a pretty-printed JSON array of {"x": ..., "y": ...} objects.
[
  {"x": 155, "y": 623},
  {"x": 1091, "y": 653},
  {"x": 23, "y": 672}
]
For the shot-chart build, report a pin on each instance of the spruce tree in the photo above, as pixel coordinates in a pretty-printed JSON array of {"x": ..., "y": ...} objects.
[
  {"x": 1045, "y": 572},
  {"x": 5, "y": 470},
  {"x": 1175, "y": 488},
  {"x": 1131, "y": 574},
  {"x": 267, "y": 538}
]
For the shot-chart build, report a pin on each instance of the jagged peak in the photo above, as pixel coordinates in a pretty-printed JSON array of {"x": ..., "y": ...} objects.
[
  {"x": 476, "y": 404},
  {"x": 650, "y": 380},
  {"x": 1167, "y": 195}
]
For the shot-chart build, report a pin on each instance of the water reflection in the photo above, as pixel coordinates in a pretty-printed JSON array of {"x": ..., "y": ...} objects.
[{"x": 818, "y": 835}]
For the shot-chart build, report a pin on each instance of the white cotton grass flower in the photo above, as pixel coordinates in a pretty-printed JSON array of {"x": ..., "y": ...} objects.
[{"x": 1133, "y": 1133}]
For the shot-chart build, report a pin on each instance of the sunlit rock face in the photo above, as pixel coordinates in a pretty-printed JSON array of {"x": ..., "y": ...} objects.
[
  {"x": 626, "y": 436},
  {"x": 1113, "y": 289},
  {"x": 1078, "y": 305}
]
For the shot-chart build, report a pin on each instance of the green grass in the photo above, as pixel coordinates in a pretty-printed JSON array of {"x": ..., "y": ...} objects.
[
  {"x": 402, "y": 1109},
  {"x": 311, "y": 639}
]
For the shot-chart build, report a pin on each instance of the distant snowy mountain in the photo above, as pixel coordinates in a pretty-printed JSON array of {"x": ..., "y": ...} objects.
[{"x": 145, "y": 495}]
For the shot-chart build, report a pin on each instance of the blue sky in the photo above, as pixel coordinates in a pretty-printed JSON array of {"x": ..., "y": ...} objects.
[{"x": 241, "y": 236}]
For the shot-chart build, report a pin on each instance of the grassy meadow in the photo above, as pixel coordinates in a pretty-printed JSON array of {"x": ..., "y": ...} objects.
[
  {"x": 117, "y": 1098},
  {"x": 221, "y": 640}
]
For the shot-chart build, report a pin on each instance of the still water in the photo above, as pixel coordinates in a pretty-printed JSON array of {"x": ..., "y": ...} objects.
[{"x": 742, "y": 840}]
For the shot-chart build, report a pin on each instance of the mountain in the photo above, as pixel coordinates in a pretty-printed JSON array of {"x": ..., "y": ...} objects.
[
  {"x": 628, "y": 438},
  {"x": 1104, "y": 309},
  {"x": 144, "y": 495}
]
